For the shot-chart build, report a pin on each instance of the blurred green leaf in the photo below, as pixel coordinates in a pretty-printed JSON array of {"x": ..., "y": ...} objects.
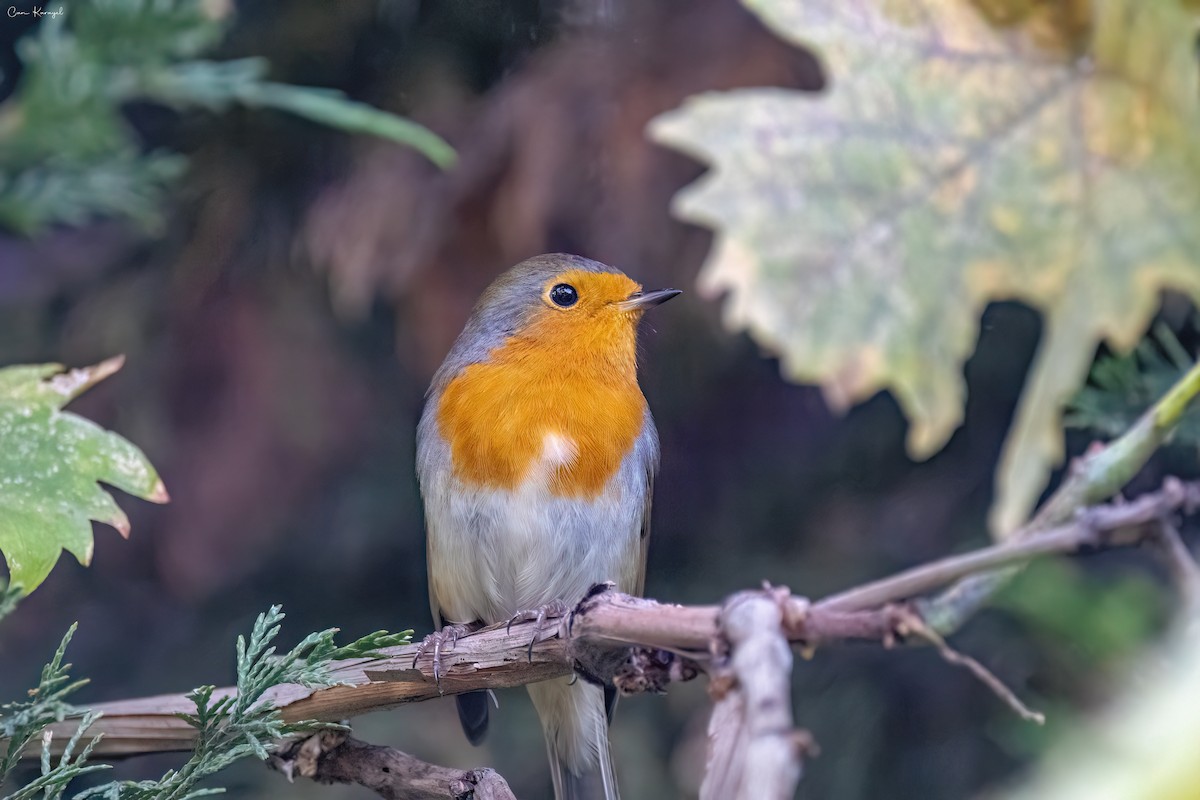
[
  {"x": 1121, "y": 387},
  {"x": 126, "y": 183},
  {"x": 963, "y": 152},
  {"x": 1024, "y": 741},
  {"x": 1097, "y": 619},
  {"x": 137, "y": 32},
  {"x": 50, "y": 462},
  {"x": 218, "y": 85}
]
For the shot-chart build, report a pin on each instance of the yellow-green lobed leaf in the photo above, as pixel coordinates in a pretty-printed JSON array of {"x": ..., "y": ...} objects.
[
  {"x": 50, "y": 463},
  {"x": 963, "y": 152}
]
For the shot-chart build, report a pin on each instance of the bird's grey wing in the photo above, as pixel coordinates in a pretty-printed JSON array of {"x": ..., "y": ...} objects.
[
  {"x": 646, "y": 454},
  {"x": 640, "y": 584},
  {"x": 428, "y": 459},
  {"x": 472, "y": 706},
  {"x": 433, "y": 603},
  {"x": 648, "y": 445}
]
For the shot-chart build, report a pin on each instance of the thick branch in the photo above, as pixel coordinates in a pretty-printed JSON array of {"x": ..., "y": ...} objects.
[
  {"x": 334, "y": 757},
  {"x": 669, "y": 641},
  {"x": 604, "y": 624}
]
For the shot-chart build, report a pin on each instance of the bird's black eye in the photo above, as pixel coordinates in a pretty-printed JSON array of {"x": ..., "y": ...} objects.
[{"x": 564, "y": 295}]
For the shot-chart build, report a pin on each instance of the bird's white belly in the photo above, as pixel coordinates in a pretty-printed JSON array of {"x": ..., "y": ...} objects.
[{"x": 495, "y": 552}]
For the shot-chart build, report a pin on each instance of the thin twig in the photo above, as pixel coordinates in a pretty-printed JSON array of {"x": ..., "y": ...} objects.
[
  {"x": 917, "y": 627},
  {"x": 1105, "y": 525},
  {"x": 1182, "y": 566},
  {"x": 927, "y": 577}
]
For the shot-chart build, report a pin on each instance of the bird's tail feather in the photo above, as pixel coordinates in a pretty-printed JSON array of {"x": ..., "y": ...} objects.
[
  {"x": 576, "y": 728},
  {"x": 473, "y": 714}
]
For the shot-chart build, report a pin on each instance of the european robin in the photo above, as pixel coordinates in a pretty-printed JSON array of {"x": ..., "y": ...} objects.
[{"x": 536, "y": 453}]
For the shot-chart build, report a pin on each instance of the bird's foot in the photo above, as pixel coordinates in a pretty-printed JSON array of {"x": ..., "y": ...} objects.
[
  {"x": 445, "y": 639},
  {"x": 555, "y": 608}
]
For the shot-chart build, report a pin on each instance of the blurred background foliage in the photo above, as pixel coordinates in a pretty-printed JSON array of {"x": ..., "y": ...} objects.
[
  {"x": 283, "y": 323},
  {"x": 69, "y": 154}
]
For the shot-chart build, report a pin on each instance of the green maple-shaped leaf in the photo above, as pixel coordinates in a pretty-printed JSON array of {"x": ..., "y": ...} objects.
[
  {"x": 50, "y": 462},
  {"x": 963, "y": 152}
]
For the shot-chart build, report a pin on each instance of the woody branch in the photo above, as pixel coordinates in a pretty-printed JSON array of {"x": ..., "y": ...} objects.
[{"x": 642, "y": 645}]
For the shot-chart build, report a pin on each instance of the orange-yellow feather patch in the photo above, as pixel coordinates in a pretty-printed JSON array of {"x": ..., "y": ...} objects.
[{"x": 571, "y": 374}]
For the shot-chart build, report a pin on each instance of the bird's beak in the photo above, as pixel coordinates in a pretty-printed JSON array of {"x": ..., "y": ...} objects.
[{"x": 639, "y": 301}]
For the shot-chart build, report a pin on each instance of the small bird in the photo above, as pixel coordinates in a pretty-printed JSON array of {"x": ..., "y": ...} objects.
[{"x": 536, "y": 455}]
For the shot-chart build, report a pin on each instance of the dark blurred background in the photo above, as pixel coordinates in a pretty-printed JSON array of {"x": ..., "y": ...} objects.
[{"x": 281, "y": 331}]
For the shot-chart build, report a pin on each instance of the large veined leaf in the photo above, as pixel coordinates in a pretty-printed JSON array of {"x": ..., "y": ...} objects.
[
  {"x": 50, "y": 462},
  {"x": 963, "y": 152}
]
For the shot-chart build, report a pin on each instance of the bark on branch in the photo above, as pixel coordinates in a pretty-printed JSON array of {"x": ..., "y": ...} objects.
[
  {"x": 753, "y": 749},
  {"x": 335, "y": 757}
]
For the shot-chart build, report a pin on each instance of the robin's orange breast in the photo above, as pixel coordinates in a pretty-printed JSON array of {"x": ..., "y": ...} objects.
[{"x": 566, "y": 401}]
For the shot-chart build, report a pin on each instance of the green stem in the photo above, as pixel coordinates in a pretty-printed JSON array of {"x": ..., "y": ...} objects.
[{"x": 1092, "y": 479}]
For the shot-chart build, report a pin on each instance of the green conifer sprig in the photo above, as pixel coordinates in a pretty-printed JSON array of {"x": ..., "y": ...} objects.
[
  {"x": 229, "y": 727},
  {"x": 21, "y": 721}
]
